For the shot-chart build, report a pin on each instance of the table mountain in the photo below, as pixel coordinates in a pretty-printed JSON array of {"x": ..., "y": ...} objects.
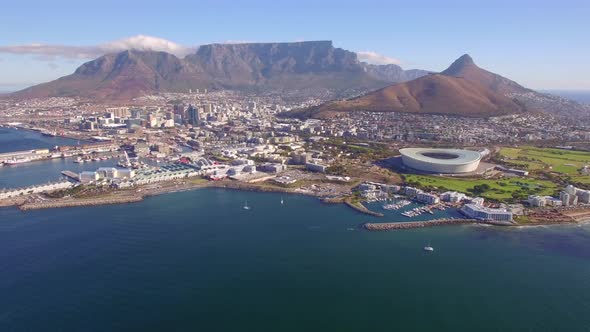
[{"x": 262, "y": 66}]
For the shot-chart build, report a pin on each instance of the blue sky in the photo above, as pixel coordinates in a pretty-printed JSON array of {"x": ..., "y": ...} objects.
[{"x": 540, "y": 44}]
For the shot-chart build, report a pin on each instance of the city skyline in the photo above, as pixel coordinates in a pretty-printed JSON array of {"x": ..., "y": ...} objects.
[{"x": 536, "y": 44}]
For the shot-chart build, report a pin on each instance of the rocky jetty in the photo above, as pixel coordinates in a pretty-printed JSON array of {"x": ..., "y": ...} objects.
[{"x": 415, "y": 224}]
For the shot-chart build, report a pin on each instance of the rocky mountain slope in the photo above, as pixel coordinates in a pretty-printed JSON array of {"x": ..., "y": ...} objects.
[
  {"x": 461, "y": 90},
  {"x": 263, "y": 66}
]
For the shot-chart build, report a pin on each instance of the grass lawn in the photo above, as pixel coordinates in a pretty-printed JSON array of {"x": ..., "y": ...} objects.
[
  {"x": 532, "y": 158},
  {"x": 500, "y": 190},
  {"x": 582, "y": 179}
]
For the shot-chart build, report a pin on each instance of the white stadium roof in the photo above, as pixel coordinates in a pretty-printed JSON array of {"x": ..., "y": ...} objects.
[{"x": 441, "y": 160}]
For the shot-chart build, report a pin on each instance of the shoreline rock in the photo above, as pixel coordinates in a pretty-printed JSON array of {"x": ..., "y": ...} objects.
[
  {"x": 415, "y": 224},
  {"x": 361, "y": 208},
  {"x": 79, "y": 203}
]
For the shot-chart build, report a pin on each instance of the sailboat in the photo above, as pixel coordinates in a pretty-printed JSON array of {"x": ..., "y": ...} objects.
[
  {"x": 282, "y": 202},
  {"x": 428, "y": 247},
  {"x": 246, "y": 207}
]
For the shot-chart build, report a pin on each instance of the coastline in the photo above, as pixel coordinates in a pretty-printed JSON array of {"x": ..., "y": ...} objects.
[
  {"x": 66, "y": 136},
  {"x": 139, "y": 194}
]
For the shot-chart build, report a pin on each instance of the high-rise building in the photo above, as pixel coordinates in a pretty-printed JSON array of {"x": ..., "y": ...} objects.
[
  {"x": 192, "y": 115},
  {"x": 136, "y": 113},
  {"x": 119, "y": 112}
]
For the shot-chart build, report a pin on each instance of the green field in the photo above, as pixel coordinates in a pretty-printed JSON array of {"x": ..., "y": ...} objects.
[
  {"x": 549, "y": 159},
  {"x": 499, "y": 189}
]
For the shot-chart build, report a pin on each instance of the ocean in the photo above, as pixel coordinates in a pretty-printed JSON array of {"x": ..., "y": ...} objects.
[
  {"x": 22, "y": 175},
  {"x": 581, "y": 96},
  {"x": 19, "y": 140},
  {"x": 197, "y": 261}
]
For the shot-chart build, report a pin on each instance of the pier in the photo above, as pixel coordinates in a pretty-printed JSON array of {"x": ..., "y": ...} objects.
[
  {"x": 415, "y": 224},
  {"x": 71, "y": 175}
]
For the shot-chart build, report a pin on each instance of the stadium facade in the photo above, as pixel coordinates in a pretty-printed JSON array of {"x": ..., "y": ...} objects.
[{"x": 446, "y": 161}]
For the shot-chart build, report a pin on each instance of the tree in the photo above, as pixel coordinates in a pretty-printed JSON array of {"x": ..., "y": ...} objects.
[{"x": 480, "y": 188}]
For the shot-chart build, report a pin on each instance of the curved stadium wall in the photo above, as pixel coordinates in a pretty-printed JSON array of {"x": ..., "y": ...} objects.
[{"x": 448, "y": 161}]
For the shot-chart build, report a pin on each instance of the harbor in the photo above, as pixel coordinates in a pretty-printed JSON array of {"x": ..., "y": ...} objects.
[{"x": 413, "y": 211}]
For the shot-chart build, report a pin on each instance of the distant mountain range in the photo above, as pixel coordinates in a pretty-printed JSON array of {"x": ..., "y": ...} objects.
[
  {"x": 254, "y": 66},
  {"x": 463, "y": 89}
]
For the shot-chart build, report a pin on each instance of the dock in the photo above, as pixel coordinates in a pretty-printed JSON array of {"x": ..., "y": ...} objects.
[{"x": 71, "y": 175}]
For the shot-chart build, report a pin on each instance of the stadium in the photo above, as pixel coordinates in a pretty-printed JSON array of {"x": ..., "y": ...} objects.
[{"x": 447, "y": 161}]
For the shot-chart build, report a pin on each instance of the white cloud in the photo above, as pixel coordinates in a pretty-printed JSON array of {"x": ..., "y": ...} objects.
[
  {"x": 146, "y": 43},
  {"x": 376, "y": 59},
  {"x": 48, "y": 52}
]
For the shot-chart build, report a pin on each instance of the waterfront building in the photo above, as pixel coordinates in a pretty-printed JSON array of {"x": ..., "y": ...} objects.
[
  {"x": 315, "y": 167},
  {"x": 570, "y": 189},
  {"x": 537, "y": 201},
  {"x": 374, "y": 195},
  {"x": 583, "y": 196},
  {"x": 390, "y": 188},
  {"x": 428, "y": 198},
  {"x": 272, "y": 168},
  {"x": 35, "y": 189},
  {"x": 484, "y": 213},
  {"x": 477, "y": 201},
  {"x": 367, "y": 186},
  {"x": 567, "y": 198},
  {"x": 452, "y": 196},
  {"x": 411, "y": 191},
  {"x": 88, "y": 176},
  {"x": 107, "y": 173},
  {"x": 552, "y": 201}
]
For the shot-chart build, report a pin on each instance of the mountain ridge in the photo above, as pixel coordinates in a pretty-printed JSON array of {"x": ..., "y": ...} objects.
[{"x": 131, "y": 73}]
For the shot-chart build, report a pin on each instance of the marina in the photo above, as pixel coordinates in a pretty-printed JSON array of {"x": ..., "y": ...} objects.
[
  {"x": 414, "y": 211},
  {"x": 396, "y": 205}
]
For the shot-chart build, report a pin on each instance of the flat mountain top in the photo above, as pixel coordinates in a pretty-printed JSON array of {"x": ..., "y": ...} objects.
[{"x": 277, "y": 66}]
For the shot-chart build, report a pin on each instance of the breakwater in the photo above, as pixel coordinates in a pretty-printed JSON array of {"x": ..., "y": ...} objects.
[
  {"x": 415, "y": 224},
  {"x": 79, "y": 202},
  {"x": 361, "y": 208}
]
